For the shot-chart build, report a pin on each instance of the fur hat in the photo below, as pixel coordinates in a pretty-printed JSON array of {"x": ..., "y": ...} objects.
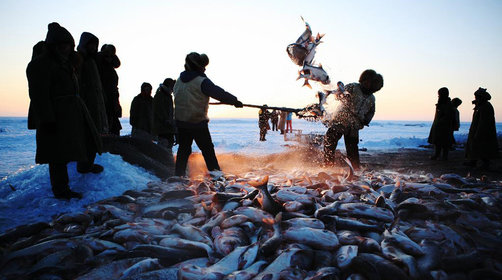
[
  {"x": 444, "y": 92},
  {"x": 482, "y": 93},
  {"x": 57, "y": 34},
  {"x": 371, "y": 80},
  {"x": 169, "y": 83},
  {"x": 85, "y": 39},
  {"x": 145, "y": 85},
  {"x": 196, "y": 61}
]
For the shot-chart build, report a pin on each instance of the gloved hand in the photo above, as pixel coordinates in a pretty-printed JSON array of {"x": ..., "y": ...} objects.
[{"x": 238, "y": 104}]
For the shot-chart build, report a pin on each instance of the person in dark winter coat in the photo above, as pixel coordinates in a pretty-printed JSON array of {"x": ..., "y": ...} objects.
[
  {"x": 274, "y": 119},
  {"x": 263, "y": 116},
  {"x": 141, "y": 114},
  {"x": 91, "y": 91},
  {"x": 455, "y": 102},
  {"x": 482, "y": 140},
  {"x": 163, "y": 114},
  {"x": 442, "y": 127},
  {"x": 107, "y": 62},
  {"x": 65, "y": 130},
  {"x": 191, "y": 102},
  {"x": 356, "y": 110}
]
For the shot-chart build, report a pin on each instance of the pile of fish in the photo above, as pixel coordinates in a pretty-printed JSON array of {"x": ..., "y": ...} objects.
[
  {"x": 296, "y": 225},
  {"x": 302, "y": 53}
]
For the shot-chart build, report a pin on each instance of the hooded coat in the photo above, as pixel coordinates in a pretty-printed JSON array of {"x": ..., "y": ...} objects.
[
  {"x": 163, "y": 116},
  {"x": 64, "y": 127},
  {"x": 141, "y": 113},
  {"x": 91, "y": 89},
  {"x": 110, "y": 81},
  {"x": 442, "y": 126},
  {"x": 482, "y": 140}
]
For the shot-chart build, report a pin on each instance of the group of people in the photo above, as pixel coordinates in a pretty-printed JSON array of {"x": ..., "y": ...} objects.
[
  {"x": 74, "y": 100},
  {"x": 482, "y": 143},
  {"x": 281, "y": 121}
]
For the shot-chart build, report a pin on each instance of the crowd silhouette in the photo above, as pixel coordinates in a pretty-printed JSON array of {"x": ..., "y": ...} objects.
[{"x": 74, "y": 102}]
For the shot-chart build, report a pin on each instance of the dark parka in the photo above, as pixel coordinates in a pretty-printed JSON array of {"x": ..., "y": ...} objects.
[
  {"x": 110, "y": 81},
  {"x": 482, "y": 140},
  {"x": 91, "y": 89},
  {"x": 57, "y": 112},
  {"x": 141, "y": 114},
  {"x": 163, "y": 116},
  {"x": 442, "y": 127}
]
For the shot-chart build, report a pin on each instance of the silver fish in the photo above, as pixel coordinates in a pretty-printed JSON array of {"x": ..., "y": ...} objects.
[
  {"x": 395, "y": 254},
  {"x": 248, "y": 273},
  {"x": 313, "y": 73},
  {"x": 289, "y": 258},
  {"x": 192, "y": 233},
  {"x": 234, "y": 221},
  {"x": 180, "y": 243},
  {"x": 140, "y": 267},
  {"x": 401, "y": 240},
  {"x": 304, "y": 222},
  {"x": 345, "y": 254},
  {"x": 316, "y": 238}
]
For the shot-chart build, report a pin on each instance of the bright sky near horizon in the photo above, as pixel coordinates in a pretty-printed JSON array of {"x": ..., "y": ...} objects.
[{"x": 418, "y": 47}]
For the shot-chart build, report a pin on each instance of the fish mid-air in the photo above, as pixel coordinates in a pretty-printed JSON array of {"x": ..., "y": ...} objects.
[
  {"x": 314, "y": 73},
  {"x": 303, "y": 50}
]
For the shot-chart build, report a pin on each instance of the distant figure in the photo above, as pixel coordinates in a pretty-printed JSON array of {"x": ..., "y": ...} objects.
[
  {"x": 57, "y": 112},
  {"x": 482, "y": 140},
  {"x": 263, "y": 116},
  {"x": 163, "y": 114},
  {"x": 289, "y": 122},
  {"x": 356, "y": 110},
  {"x": 141, "y": 114},
  {"x": 91, "y": 91},
  {"x": 282, "y": 121},
  {"x": 274, "y": 119},
  {"x": 441, "y": 133},
  {"x": 107, "y": 62},
  {"x": 455, "y": 102},
  {"x": 191, "y": 98}
]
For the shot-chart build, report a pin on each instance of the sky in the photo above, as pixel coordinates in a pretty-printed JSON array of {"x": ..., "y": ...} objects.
[{"x": 418, "y": 47}]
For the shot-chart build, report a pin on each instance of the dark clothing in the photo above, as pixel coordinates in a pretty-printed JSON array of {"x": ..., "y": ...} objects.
[
  {"x": 274, "y": 118},
  {"x": 202, "y": 137},
  {"x": 482, "y": 140},
  {"x": 58, "y": 113},
  {"x": 91, "y": 89},
  {"x": 59, "y": 178},
  {"x": 141, "y": 115},
  {"x": 163, "y": 115},
  {"x": 441, "y": 133},
  {"x": 110, "y": 81},
  {"x": 351, "y": 139},
  {"x": 191, "y": 98},
  {"x": 263, "y": 116}
]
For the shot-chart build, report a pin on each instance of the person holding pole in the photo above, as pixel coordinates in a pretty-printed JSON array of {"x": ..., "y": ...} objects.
[{"x": 191, "y": 99}]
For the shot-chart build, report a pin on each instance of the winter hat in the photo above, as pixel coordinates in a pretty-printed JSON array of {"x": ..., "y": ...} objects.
[
  {"x": 443, "y": 92},
  {"x": 57, "y": 34},
  {"x": 197, "y": 61},
  {"x": 145, "y": 85},
  {"x": 85, "y": 39},
  {"x": 38, "y": 49},
  {"x": 169, "y": 82},
  {"x": 482, "y": 93},
  {"x": 456, "y": 101},
  {"x": 109, "y": 48}
]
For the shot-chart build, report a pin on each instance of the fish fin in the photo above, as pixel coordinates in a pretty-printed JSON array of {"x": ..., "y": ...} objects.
[
  {"x": 278, "y": 217},
  {"x": 307, "y": 84},
  {"x": 320, "y": 65},
  {"x": 268, "y": 221}
]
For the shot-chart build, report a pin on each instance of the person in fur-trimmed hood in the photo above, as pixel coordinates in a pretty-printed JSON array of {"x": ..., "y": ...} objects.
[
  {"x": 356, "y": 110},
  {"x": 163, "y": 114},
  {"x": 191, "y": 99},
  {"x": 65, "y": 130},
  {"x": 91, "y": 91},
  {"x": 482, "y": 140}
]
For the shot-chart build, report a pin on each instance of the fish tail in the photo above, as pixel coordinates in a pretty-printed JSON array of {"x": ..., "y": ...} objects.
[{"x": 306, "y": 83}]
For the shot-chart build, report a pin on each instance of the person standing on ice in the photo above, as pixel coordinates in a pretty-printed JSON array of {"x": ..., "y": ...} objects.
[
  {"x": 282, "y": 121},
  {"x": 91, "y": 91},
  {"x": 274, "y": 119},
  {"x": 441, "y": 134},
  {"x": 141, "y": 113},
  {"x": 65, "y": 129},
  {"x": 263, "y": 116},
  {"x": 356, "y": 110},
  {"x": 482, "y": 141},
  {"x": 455, "y": 102},
  {"x": 191, "y": 102},
  {"x": 289, "y": 122},
  {"x": 163, "y": 114}
]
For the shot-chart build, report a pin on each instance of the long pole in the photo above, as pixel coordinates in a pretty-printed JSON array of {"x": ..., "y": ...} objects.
[{"x": 261, "y": 106}]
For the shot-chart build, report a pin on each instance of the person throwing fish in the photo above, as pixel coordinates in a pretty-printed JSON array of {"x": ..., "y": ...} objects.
[
  {"x": 191, "y": 99},
  {"x": 356, "y": 110}
]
